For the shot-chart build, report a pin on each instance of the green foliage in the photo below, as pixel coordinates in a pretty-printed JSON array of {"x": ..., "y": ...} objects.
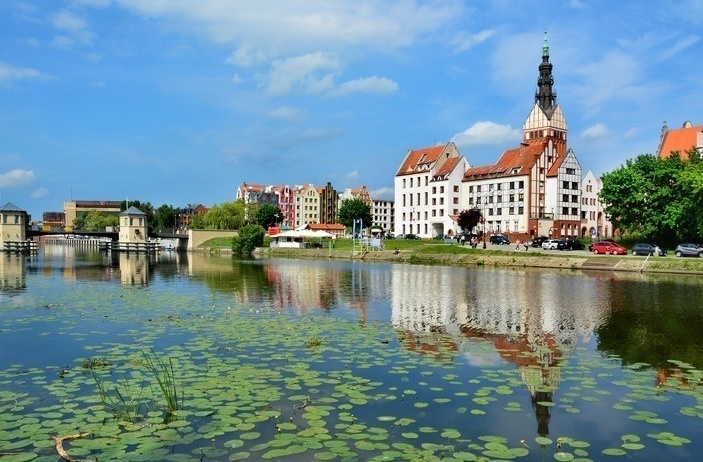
[
  {"x": 657, "y": 198},
  {"x": 228, "y": 215},
  {"x": 165, "y": 216},
  {"x": 468, "y": 219},
  {"x": 354, "y": 209},
  {"x": 145, "y": 207},
  {"x": 249, "y": 237},
  {"x": 268, "y": 215}
]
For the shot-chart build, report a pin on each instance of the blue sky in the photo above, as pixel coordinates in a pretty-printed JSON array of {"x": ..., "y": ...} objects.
[{"x": 180, "y": 101}]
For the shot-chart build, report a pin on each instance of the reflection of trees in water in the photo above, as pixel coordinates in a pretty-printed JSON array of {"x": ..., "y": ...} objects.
[
  {"x": 246, "y": 279},
  {"x": 654, "y": 323}
]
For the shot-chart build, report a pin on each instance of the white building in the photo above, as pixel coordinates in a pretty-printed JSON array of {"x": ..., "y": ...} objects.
[
  {"x": 427, "y": 191},
  {"x": 383, "y": 212},
  {"x": 594, "y": 222},
  {"x": 533, "y": 190}
]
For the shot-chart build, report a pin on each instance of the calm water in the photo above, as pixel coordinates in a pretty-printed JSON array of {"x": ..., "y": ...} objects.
[{"x": 341, "y": 360}]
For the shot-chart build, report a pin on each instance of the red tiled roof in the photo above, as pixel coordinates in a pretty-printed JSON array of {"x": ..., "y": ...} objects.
[
  {"x": 447, "y": 167},
  {"x": 253, "y": 187},
  {"x": 325, "y": 226},
  {"x": 679, "y": 140},
  {"x": 418, "y": 157},
  {"x": 522, "y": 159}
]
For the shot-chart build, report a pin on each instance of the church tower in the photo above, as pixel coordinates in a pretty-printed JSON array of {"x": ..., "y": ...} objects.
[{"x": 546, "y": 121}]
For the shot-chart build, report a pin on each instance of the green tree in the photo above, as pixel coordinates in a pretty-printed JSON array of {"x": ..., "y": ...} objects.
[
  {"x": 268, "y": 215},
  {"x": 145, "y": 207},
  {"x": 94, "y": 220},
  {"x": 228, "y": 215},
  {"x": 656, "y": 198},
  {"x": 354, "y": 209},
  {"x": 248, "y": 238},
  {"x": 165, "y": 217},
  {"x": 468, "y": 219}
]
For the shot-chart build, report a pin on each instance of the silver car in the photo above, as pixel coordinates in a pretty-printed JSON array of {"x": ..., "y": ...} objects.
[
  {"x": 689, "y": 250},
  {"x": 550, "y": 244}
]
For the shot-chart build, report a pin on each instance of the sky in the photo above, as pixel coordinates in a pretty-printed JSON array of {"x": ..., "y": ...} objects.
[{"x": 179, "y": 102}]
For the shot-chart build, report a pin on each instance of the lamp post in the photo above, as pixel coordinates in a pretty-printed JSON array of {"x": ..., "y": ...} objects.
[{"x": 483, "y": 219}]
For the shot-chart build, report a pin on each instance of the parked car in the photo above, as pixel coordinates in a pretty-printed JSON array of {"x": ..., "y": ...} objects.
[
  {"x": 642, "y": 248},
  {"x": 569, "y": 243},
  {"x": 499, "y": 239},
  {"x": 537, "y": 241},
  {"x": 412, "y": 236},
  {"x": 590, "y": 247},
  {"x": 550, "y": 244},
  {"x": 605, "y": 247},
  {"x": 689, "y": 250}
]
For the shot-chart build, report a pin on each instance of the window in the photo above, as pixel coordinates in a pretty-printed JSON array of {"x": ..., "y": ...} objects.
[
  {"x": 426, "y": 196},
  {"x": 434, "y": 201},
  {"x": 498, "y": 186},
  {"x": 456, "y": 212},
  {"x": 411, "y": 182},
  {"x": 425, "y": 215},
  {"x": 574, "y": 198},
  {"x": 441, "y": 201},
  {"x": 520, "y": 210},
  {"x": 511, "y": 198},
  {"x": 511, "y": 210},
  {"x": 574, "y": 185},
  {"x": 434, "y": 189},
  {"x": 565, "y": 210},
  {"x": 471, "y": 189},
  {"x": 512, "y": 185},
  {"x": 521, "y": 197},
  {"x": 478, "y": 188},
  {"x": 427, "y": 180},
  {"x": 565, "y": 184},
  {"x": 570, "y": 171},
  {"x": 565, "y": 198},
  {"x": 403, "y": 182},
  {"x": 456, "y": 188},
  {"x": 490, "y": 199},
  {"x": 441, "y": 212},
  {"x": 434, "y": 213},
  {"x": 522, "y": 184},
  {"x": 499, "y": 199},
  {"x": 455, "y": 200},
  {"x": 441, "y": 189},
  {"x": 403, "y": 200},
  {"x": 499, "y": 211},
  {"x": 490, "y": 211},
  {"x": 17, "y": 219},
  {"x": 574, "y": 211},
  {"x": 471, "y": 201}
]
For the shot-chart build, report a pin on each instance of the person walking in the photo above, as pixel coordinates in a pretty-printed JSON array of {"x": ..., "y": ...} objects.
[{"x": 517, "y": 245}]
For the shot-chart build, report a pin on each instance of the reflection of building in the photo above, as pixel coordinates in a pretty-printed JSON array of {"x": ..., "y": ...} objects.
[
  {"x": 134, "y": 269},
  {"x": 12, "y": 272},
  {"x": 531, "y": 321}
]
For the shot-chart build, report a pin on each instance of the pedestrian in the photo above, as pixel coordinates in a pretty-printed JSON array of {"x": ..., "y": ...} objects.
[
  {"x": 463, "y": 239},
  {"x": 517, "y": 246},
  {"x": 527, "y": 245}
]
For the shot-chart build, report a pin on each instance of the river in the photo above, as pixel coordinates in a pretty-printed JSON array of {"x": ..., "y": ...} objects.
[{"x": 340, "y": 360}]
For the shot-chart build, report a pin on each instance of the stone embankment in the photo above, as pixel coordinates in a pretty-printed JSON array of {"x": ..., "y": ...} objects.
[{"x": 478, "y": 257}]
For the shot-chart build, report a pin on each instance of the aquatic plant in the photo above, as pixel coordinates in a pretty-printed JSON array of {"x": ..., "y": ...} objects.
[{"x": 166, "y": 378}]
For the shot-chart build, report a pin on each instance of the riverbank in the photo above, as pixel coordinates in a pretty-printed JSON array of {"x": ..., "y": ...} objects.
[{"x": 465, "y": 256}]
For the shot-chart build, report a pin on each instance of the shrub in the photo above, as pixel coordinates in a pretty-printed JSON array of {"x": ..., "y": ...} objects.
[{"x": 248, "y": 238}]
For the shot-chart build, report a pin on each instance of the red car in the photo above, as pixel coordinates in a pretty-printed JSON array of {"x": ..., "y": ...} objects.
[{"x": 605, "y": 247}]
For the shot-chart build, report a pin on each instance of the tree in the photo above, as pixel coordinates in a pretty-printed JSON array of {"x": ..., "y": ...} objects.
[
  {"x": 145, "y": 207},
  {"x": 354, "y": 209},
  {"x": 268, "y": 215},
  {"x": 248, "y": 238},
  {"x": 228, "y": 215},
  {"x": 165, "y": 217},
  {"x": 468, "y": 219},
  {"x": 657, "y": 198}
]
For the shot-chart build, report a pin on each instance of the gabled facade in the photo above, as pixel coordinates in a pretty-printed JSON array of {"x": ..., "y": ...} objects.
[
  {"x": 13, "y": 224},
  {"x": 286, "y": 203},
  {"x": 532, "y": 190},
  {"x": 257, "y": 194},
  {"x": 594, "y": 222},
  {"x": 680, "y": 140},
  {"x": 307, "y": 205},
  {"x": 427, "y": 191}
]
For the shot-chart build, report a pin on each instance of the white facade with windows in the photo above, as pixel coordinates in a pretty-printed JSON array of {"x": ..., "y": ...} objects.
[{"x": 594, "y": 222}]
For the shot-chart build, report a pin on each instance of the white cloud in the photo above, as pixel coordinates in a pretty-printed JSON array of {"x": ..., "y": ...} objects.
[
  {"x": 353, "y": 175},
  {"x": 367, "y": 85},
  {"x": 463, "y": 40},
  {"x": 680, "y": 45},
  {"x": 245, "y": 56},
  {"x": 285, "y": 113},
  {"x": 9, "y": 73},
  {"x": 16, "y": 177},
  {"x": 594, "y": 132},
  {"x": 311, "y": 73},
  {"x": 386, "y": 192},
  {"x": 73, "y": 27},
  {"x": 39, "y": 193},
  {"x": 485, "y": 132}
]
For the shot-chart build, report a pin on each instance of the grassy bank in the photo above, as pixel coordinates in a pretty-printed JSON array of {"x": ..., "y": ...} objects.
[{"x": 440, "y": 253}]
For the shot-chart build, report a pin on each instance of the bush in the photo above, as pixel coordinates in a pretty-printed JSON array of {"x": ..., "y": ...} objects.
[{"x": 249, "y": 237}]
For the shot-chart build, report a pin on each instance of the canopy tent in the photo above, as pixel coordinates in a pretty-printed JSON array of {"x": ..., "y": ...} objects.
[{"x": 297, "y": 238}]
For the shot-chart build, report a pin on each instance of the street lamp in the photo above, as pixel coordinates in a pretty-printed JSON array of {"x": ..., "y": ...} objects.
[{"x": 483, "y": 218}]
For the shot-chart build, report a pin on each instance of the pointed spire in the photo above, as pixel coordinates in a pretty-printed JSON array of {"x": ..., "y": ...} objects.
[{"x": 545, "y": 95}]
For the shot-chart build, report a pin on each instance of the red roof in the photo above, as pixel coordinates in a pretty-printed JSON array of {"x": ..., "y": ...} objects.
[
  {"x": 518, "y": 161},
  {"x": 680, "y": 140},
  {"x": 447, "y": 168},
  {"x": 418, "y": 157},
  {"x": 325, "y": 226}
]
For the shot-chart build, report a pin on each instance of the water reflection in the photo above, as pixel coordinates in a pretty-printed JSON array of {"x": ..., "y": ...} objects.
[{"x": 13, "y": 271}]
